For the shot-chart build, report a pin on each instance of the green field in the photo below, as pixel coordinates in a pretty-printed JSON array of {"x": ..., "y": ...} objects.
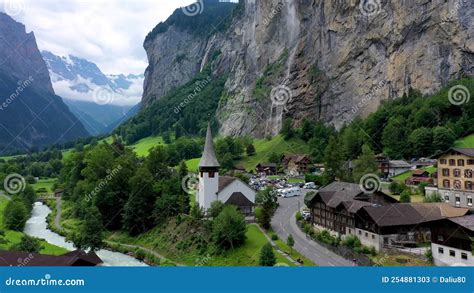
[
  {"x": 277, "y": 145},
  {"x": 467, "y": 142},
  {"x": 143, "y": 146},
  {"x": 404, "y": 176},
  {"x": 193, "y": 164},
  {"x": 45, "y": 183},
  {"x": 13, "y": 237}
]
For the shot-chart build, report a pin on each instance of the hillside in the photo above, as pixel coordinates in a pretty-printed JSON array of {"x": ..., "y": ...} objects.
[
  {"x": 318, "y": 60},
  {"x": 32, "y": 114}
]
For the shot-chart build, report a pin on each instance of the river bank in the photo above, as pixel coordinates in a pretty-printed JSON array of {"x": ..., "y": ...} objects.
[{"x": 37, "y": 226}]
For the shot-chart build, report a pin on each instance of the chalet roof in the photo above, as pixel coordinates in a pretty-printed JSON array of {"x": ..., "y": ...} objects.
[
  {"x": 355, "y": 205},
  {"x": 267, "y": 165},
  {"x": 419, "y": 172},
  {"x": 338, "y": 192},
  {"x": 225, "y": 181},
  {"x": 11, "y": 258},
  {"x": 466, "y": 221},
  {"x": 465, "y": 151},
  {"x": 404, "y": 214},
  {"x": 296, "y": 158},
  {"x": 240, "y": 200},
  {"x": 399, "y": 164},
  {"x": 209, "y": 155}
]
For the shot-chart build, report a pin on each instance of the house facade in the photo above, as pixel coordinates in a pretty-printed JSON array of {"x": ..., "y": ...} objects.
[
  {"x": 267, "y": 169},
  {"x": 296, "y": 164},
  {"x": 455, "y": 177},
  {"x": 452, "y": 241}
]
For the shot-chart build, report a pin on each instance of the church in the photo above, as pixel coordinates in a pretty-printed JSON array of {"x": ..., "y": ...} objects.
[{"x": 228, "y": 190}]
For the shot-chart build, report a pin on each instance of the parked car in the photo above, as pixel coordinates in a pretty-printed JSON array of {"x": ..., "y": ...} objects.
[
  {"x": 310, "y": 185},
  {"x": 306, "y": 215},
  {"x": 291, "y": 192}
]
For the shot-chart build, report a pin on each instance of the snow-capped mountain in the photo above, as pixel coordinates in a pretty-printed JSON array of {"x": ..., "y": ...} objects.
[
  {"x": 98, "y": 100},
  {"x": 79, "y": 79}
]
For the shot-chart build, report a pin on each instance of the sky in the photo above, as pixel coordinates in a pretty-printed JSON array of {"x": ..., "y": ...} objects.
[{"x": 109, "y": 33}]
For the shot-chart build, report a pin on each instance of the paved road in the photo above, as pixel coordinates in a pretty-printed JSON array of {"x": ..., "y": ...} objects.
[
  {"x": 57, "y": 219},
  {"x": 284, "y": 223}
]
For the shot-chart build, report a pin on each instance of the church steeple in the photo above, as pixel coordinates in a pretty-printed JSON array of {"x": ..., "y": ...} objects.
[{"x": 209, "y": 159}]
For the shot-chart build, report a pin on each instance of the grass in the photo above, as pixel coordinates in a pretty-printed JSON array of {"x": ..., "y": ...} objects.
[
  {"x": 193, "y": 164},
  {"x": 14, "y": 237},
  {"x": 277, "y": 144},
  {"x": 467, "y": 142},
  {"x": 399, "y": 260},
  {"x": 45, "y": 184},
  {"x": 143, "y": 146},
  {"x": 246, "y": 255},
  {"x": 404, "y": 176},
  {"x": 293, "y": 253}
]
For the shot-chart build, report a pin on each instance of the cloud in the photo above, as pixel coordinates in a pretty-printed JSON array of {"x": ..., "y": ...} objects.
[{"x": 109, "y": 33}]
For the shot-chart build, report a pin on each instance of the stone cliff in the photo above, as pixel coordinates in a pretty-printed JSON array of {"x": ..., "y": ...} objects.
[{"x": 317, "y": 59}]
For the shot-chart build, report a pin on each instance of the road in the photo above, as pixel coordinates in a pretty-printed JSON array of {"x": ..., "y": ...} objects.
[{"x": 284, "y": 223}]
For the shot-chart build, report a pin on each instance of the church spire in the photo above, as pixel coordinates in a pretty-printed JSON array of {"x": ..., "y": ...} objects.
[{"x": 209, "y": 159}]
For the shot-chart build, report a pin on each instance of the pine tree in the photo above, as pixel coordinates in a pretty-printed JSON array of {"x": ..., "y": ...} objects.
[
  {"x": 267, "y": 256},
  {"x": 365, "y": 164}
]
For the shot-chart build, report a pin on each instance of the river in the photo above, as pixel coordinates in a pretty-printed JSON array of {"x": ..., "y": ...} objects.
[{"x": 37, "y": 226}]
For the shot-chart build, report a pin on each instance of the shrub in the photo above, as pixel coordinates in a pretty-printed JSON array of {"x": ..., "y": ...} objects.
[
  {"x": 405, "y": 196},
  {"x": 352, "y": 242},
  {"x": 274, "y": 237},
  {"x": 140, "y": 254},
  {"x": 267, "y": 256},
  {"x": 299, "y": 217}
]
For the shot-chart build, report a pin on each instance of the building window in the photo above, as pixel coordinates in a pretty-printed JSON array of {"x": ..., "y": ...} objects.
[
  {"x": 360, "y": 232},
  {"x": 446, "y": 172},
  {"x": 446, "y": 197},
  {"x": 452, "y": 253},
  {"x": 460, "y": 162},
  {"x": 440, "y": 250},
  {"x": 452, "y": 162},
  {"x": 468, "y": 173},
  {"x": 446, "y": 183},
  {"x": 458, "y": 200},
  {"x": 457, "y": 173},
  {"x": 212, "y": 174},
  {"x": 468, "y": 185},
  {"x": 464, "y": 255},
  {"x": 373, "y": 236},
  {"x": 470, "y": 162},
  {"x": 366, "y": 234},
  {"x": 442, "y": 161},
  {"x": 350, "y": 231},
  {"x": 469, "y": 201},
  {"x": 457, "y": 184}
]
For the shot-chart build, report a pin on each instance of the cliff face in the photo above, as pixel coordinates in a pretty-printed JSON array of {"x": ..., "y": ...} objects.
[
  {"x": 30, "y": 112},
  {"x": 321, "y": 59}
]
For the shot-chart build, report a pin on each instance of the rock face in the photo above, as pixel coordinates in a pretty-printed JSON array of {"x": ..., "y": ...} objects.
[
  {"x": 319, "y": 59},
  {"x": 30, "y": 112}
]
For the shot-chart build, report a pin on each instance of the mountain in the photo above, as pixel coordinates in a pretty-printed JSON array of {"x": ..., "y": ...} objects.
[
  {"x": 97, "y": 99},
  {"x": 100, "y": 119},
  {"x": 330, "y": 61},
  {"x": 32, "y": 115}
]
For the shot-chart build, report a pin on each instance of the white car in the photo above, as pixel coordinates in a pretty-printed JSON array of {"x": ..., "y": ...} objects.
[
  {"x": 310, "y": 185},
  {"x": 291, "y": 192},
  {"x": 306, "y": 215}
]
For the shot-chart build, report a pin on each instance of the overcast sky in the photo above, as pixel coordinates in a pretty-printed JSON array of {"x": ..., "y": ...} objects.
[{"x": 109, "y": 33}]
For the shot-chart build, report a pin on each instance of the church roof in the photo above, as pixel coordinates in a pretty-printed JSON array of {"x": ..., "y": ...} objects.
[
  {"x": 240, "y": 200},
  {"x": 225, "y": 181},
  {"x": 209, "y": 155}
]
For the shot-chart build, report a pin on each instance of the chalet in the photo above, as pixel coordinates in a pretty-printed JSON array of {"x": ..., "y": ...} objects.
[
  {"x": 383, "y": 164},
  {"x": 226, "y": 189},
  {"x": 455, "y": 176},
  {"x": 296, "y": 164},
  {"x": 334, "y": 206},
  {"x": 397, "y": 167},
  {"x": 267, "y": 169},
  {"x": 72, "y": 258},
  {"x": 452, "y": 241},
  {"x": 402, "y": 224},
  {"x": 419, "y": 176}
]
